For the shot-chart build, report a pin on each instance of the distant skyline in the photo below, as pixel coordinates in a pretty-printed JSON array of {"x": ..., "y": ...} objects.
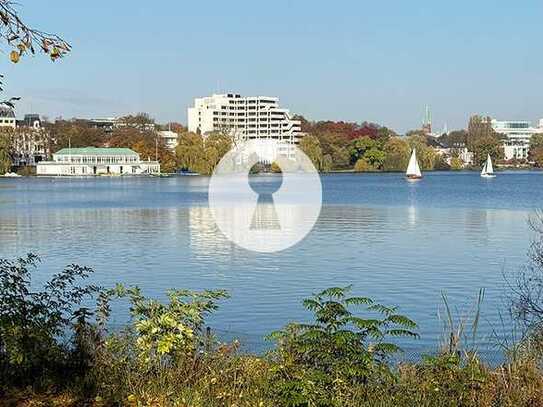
[{"x": 346, "y": 60}]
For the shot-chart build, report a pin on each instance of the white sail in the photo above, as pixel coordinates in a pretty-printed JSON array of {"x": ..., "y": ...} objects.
[
  {"x": 487, "y": 167},
  {"x": 413, "y": 169},
  {"x": 483, "y": 171}
]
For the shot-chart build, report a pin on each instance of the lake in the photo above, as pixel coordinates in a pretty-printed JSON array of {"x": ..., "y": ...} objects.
[{"x": 400, "y": 243}]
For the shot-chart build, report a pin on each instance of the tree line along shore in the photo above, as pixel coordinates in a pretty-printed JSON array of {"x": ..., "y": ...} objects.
[{"x": 332, "y": 146}]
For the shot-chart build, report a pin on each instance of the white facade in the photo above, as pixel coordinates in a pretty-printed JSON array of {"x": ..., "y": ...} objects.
[
  {"x": 518, "y": 133},
  {"x": 245, "y": 118},
  {"x": 7, "y": 118},
  {"x": 29, "y": 146},
  {"x": 97, "y": 161},
  {"x": 170, "y": 138}
]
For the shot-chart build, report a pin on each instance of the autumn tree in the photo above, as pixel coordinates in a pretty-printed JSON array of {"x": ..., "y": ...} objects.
[
  {"x": 5, "y": 148},
  {"x": 335, "y": 147},
  {"x": 74, "y": 133},
  {"x": 397, "y": 153},
  {"x": 141, "y": 121},
  {"x": 311, "y": 147},
  {"x": 202, "y": 154},
  {"x": 25, "y": 40},
  {"x": 456, "y": 163},
  {"x": 148, "y": 144},
  {"x": 425, "y": 154},
  {"x": 189, "y": 151}
]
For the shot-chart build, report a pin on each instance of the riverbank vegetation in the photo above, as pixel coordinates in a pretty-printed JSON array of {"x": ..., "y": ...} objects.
[{"x": 57, "y": 348}]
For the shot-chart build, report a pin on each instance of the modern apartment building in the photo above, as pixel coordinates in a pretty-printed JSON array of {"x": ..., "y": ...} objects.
[
  {"x": 251, "y": 117},
  {"x": 518, "y": 134}
]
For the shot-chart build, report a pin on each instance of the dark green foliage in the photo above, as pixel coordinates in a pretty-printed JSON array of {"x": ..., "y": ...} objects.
[
  {"x": 33, "y": 324},
  {"x": 338, "y": 347}
]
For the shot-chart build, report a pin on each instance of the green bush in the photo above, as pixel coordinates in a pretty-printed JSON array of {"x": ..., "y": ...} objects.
[
  {"x": 166, "y": 356},
  {"x": 338, "y": 348},
  {"x": 34, "y": 323}
]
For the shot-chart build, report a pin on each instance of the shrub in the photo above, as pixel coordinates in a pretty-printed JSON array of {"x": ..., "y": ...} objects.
[
  {"x": 338, "y": 348},
  {"x": 34, "y": 323},
  {"x": 362, "y": 165}
]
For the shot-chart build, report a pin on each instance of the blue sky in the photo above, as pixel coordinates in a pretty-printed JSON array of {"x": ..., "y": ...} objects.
[{"x": 339, "y": 60}]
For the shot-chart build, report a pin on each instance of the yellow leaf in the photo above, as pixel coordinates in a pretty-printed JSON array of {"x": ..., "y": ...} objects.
[{"x": 14, "y": 56}]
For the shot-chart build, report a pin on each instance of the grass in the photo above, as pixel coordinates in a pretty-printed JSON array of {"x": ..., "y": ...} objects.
[{"x": 225, "y": 378}]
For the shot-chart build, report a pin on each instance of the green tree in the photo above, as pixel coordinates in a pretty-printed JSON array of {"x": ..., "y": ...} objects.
[
  {"x": 311, "y": 147},
  {"x": 456, "y": 163},
  {"x": 5, "y": 152},
  {"x": 202, "y": 154},
  {"x": 425, "y": 154},
  {"x": 336, "y": 146},
  {"x": 440, "y": 163},
  {"x": 484, "y": 146},
  {"x": 190, "y": 150},
  {"x": 536, "y": 150},
  {"x": 362, "y": 165},
  {"x": 215, "y": 147},
  {"x": 375, "y": 157},
  {"x": 455, "y": 138},
  {"x": 397, "y": 153},
  {"x": 479, "y": 128},
  {"x": 360, "y": 146}
]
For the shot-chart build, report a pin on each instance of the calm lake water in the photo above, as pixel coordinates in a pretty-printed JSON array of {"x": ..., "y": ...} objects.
[{"x": 400, "y": 243}]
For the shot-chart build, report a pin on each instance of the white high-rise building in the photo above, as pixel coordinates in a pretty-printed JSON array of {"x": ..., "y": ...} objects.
[
  {"x": 518, "y": 134},
  {"x": 252, "y": 117}
]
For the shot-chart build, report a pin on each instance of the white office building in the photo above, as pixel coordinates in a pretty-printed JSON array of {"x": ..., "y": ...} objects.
[
  {"x": 518, "y": 134},
  {"x": 245, "y": 118},
  {"x": 88, "y": 161}
]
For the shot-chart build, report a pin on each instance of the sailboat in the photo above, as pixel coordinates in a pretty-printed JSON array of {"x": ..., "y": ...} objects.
[
  {"x": 488, "y": 171},
  {"x": 413, "y": 170}
]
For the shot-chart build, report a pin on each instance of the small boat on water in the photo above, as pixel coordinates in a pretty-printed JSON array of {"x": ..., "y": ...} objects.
[
  {"x": 11, "y": 175},
  {"x": 413, "y": 170},
  {"x": 488, "y": 171}
]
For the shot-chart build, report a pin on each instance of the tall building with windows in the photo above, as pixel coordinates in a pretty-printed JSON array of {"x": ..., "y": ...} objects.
[
  {"x": 251, "y": 117},
  {"x": 518, "y": 134}
]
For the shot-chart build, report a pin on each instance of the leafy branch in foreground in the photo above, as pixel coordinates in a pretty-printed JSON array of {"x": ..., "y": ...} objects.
[
  {"x": 26, "y": 39},
  {"x": 164, "y": 329},
  {"x": 339, "y": 346}
]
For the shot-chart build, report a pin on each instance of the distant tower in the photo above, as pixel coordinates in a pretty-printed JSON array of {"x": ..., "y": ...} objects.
[
  {"x": 427, "y": 121},
  {"x": 445, "y": 129}
]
